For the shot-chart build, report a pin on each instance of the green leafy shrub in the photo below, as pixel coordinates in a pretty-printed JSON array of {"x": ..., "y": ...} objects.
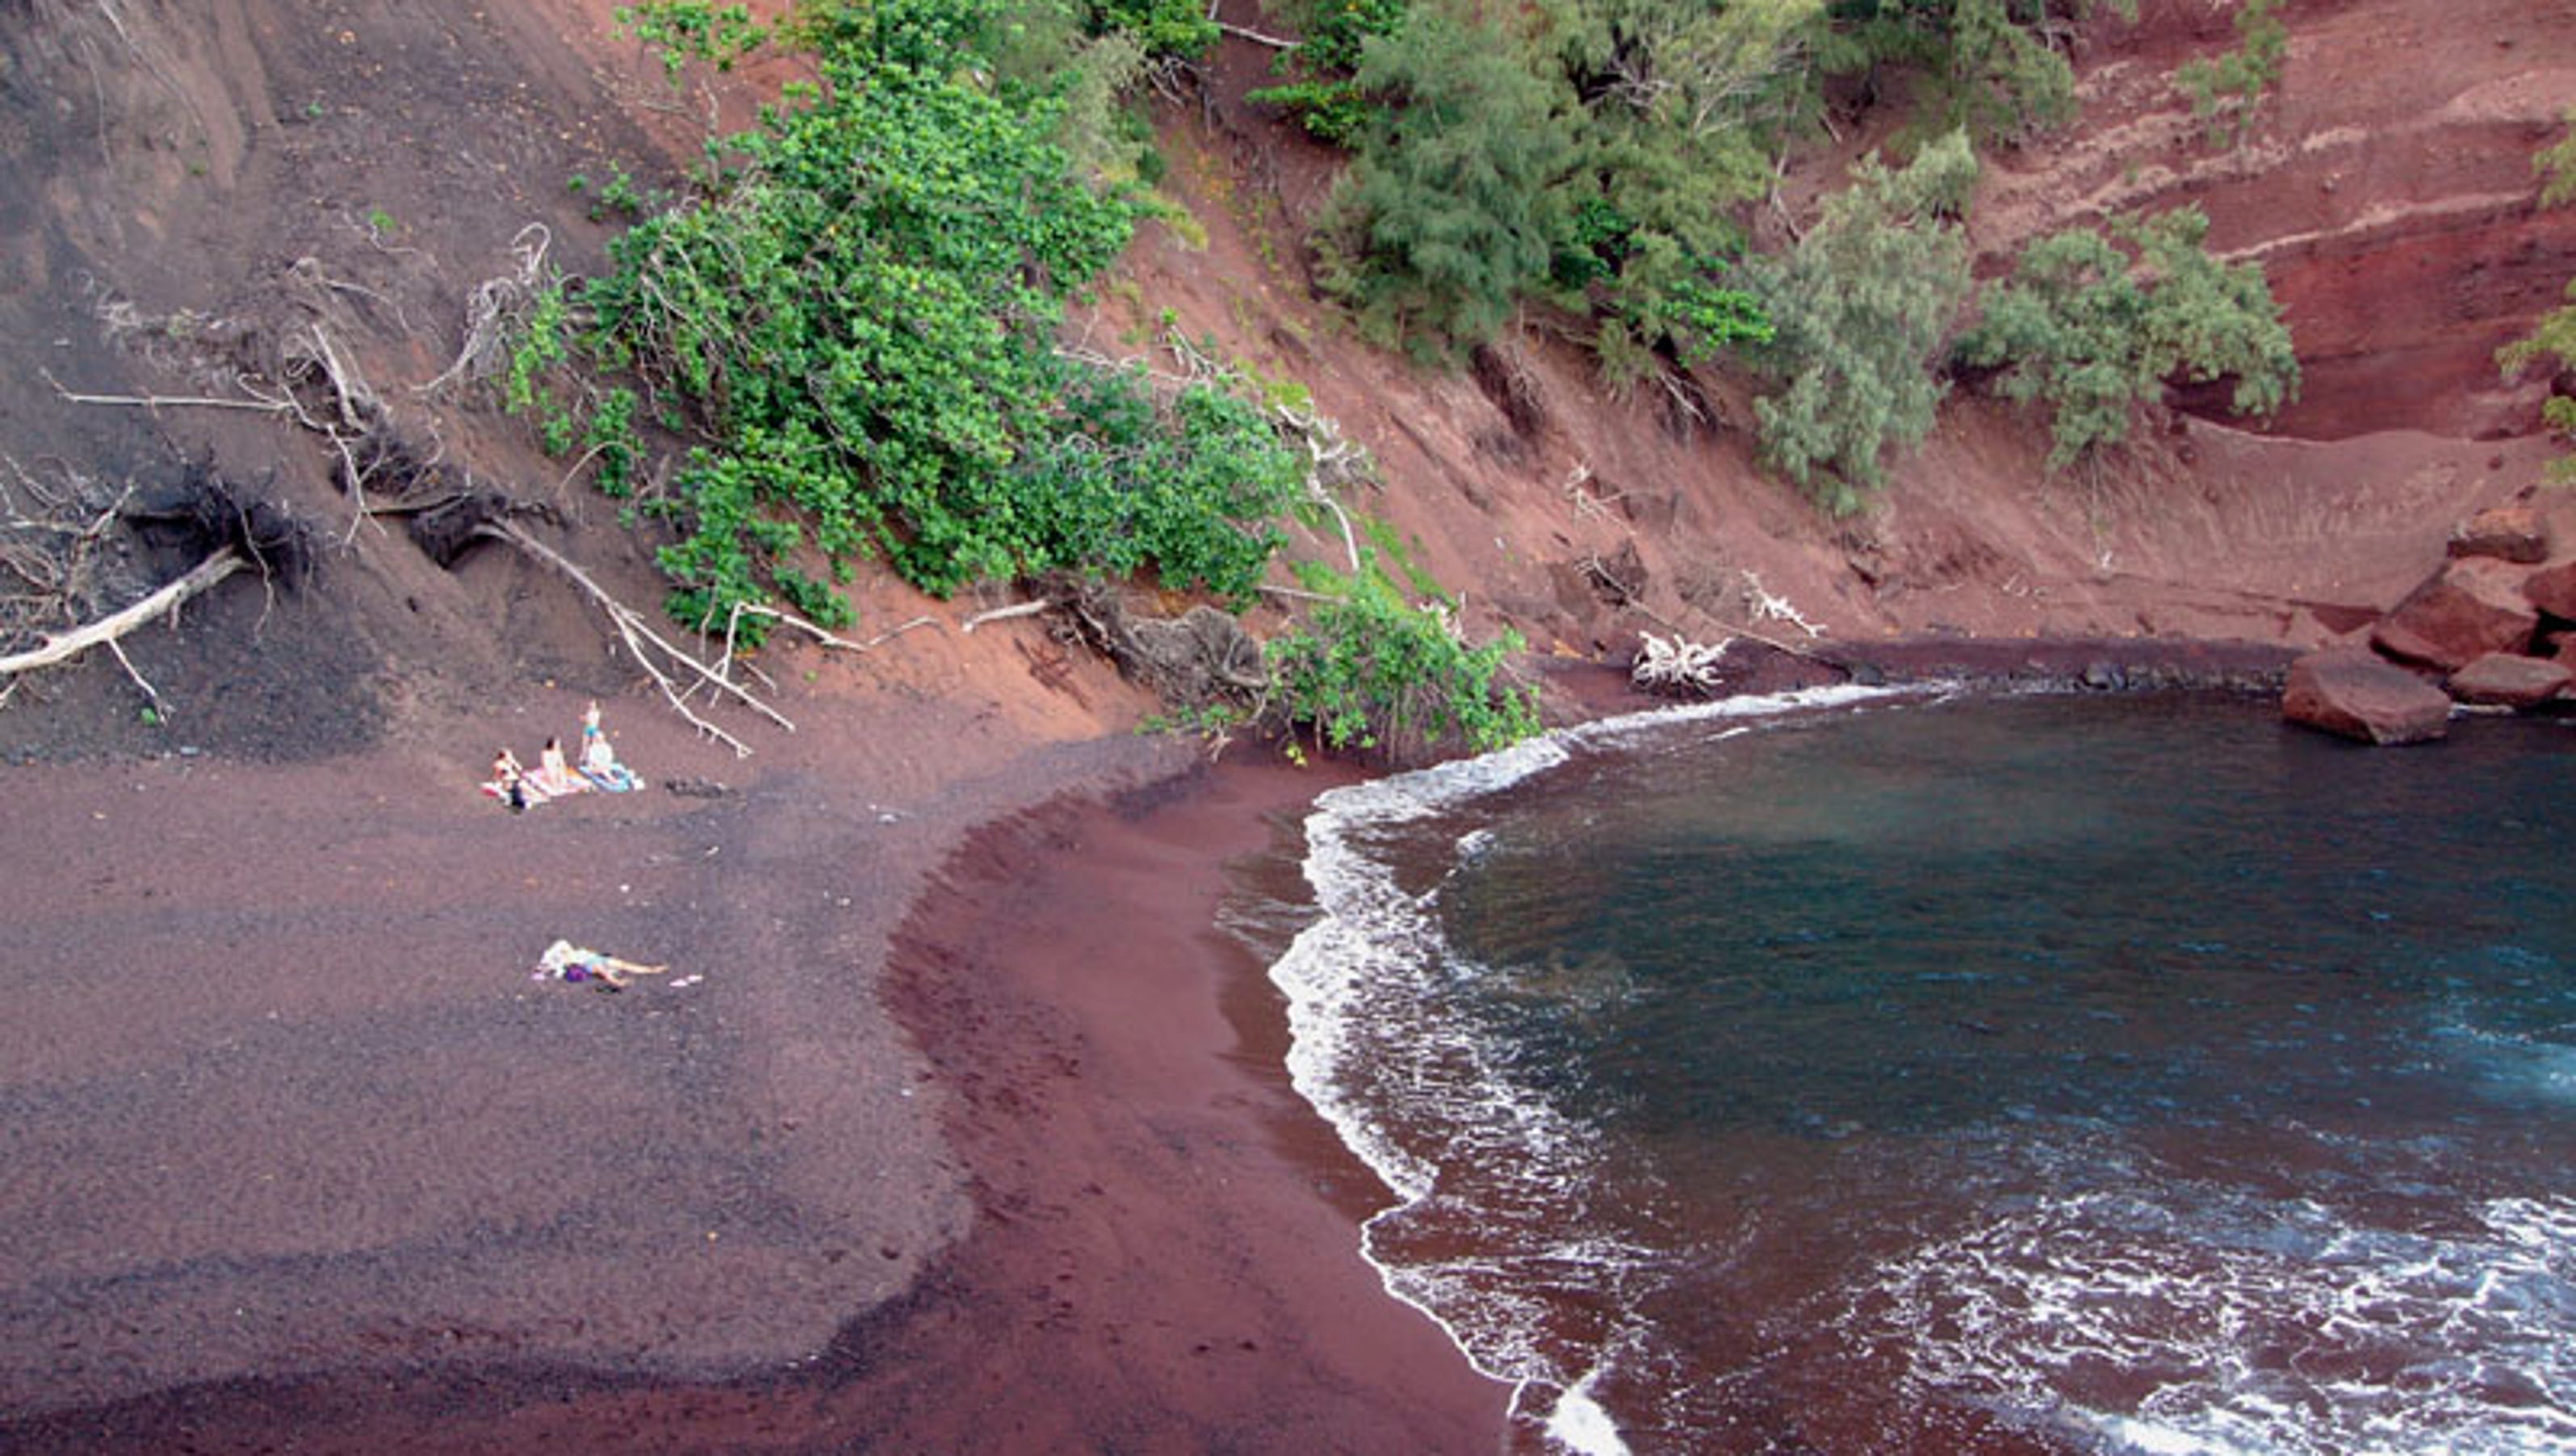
[
  {"x": 2087, "y": 330},
  {"x": 2553, "y": 343},
  {"x": 1370, "y": 672},
  {"x": 2556, "y": 165},
  {"x": 1323, "y": 90},
  {"x": 1163, "y": 27},
  {"x": 685, "y": 30},
  {"x": 1859, "y": 309},
  {"x": 2226, "y": 90},
  {"x": 855, "y": 324}
]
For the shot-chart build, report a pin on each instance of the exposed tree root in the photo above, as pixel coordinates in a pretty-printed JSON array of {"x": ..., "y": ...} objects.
[
  {"x": 1201, "y": 657},
  {"x": 52, "y": 551},
  {"x": 662, "y": 661}
]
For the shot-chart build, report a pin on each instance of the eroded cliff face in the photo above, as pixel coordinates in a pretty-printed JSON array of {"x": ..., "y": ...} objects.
[
  {"x": 2386, "y": 186},
  {"x": 363, "y": 165}
]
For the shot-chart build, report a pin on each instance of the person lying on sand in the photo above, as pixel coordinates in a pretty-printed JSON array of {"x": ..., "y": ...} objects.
[{"x": 565, "y": 961}]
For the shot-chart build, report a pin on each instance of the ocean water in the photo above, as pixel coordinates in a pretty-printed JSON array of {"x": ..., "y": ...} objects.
[{"x": 1906, "y": 1074}]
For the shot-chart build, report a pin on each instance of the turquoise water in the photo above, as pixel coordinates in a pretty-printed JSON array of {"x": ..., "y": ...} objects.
[{"x": 2046, "y": 1074}]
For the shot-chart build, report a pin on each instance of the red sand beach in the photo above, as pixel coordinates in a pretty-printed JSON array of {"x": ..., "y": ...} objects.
[{"x": 299, "y": 1158}]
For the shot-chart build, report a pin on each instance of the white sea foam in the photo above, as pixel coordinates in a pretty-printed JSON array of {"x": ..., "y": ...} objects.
[
  {"x": 2250, "y": 1324},
  {"x": 2511, "y": 1066},
  {"x": 1418, "y": 1093},
  {"x": 1580, "y": 1425}
]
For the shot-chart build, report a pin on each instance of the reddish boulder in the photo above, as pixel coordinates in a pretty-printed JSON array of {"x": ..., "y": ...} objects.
[
  {"x": 2471, "y": 607},
  {"x": 2350, "y": 692},
  {"x": 2553, "y": 589},
  {"x": 2507, "y": 533},
  {"x": 2503, "y": 680}
]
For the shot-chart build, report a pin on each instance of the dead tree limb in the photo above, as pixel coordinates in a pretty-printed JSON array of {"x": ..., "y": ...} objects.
[
  {"x": 1004, "y": 614},
  {"x": 158, "y": 401},
  {"x": 1276, "y": 43},
  {"x": 63, "y": 646},
  {"x": 825, "y": 637},
  {"x": 643, "y": 642},
  {"x": 1627, "y": 597}
]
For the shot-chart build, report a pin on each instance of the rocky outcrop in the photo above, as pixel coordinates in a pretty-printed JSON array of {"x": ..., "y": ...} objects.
[
  {"x": 2507, "y": 533},
  {"x": 2349, "y": 692},
  {"x": 2490, "y": 620},
  {"x": 2473, "y": 606},
  {"x": 2552, "y": 589},
  {"x": 2507, "y": 680},
  {"x": 2385, "y": 187}
]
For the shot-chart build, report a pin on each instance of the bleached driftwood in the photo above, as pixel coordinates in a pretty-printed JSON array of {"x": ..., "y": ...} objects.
[
  {"x": 1677, "y": 663},
  {"x": 1004, "y": 614},
  {"x": 108, "y": 630},
  {"x": 1766, "y": 606}
]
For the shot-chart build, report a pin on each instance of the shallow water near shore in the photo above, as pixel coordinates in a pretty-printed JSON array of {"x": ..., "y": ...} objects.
[{"x": 2051, "y": 1074}]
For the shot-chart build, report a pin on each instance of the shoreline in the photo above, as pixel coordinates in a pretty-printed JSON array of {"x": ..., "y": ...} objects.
[{"x": 1160, "y": 1244}]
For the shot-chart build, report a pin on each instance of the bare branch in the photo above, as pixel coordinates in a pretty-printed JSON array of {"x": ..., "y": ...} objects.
[
  {"x": 1003, "y": 614},
  {"x": 1276, "y": 43},
  {"x": 158, "y": 401},
  {"x": 63, "y": 646},
  {"x": 654, "y": 653}
]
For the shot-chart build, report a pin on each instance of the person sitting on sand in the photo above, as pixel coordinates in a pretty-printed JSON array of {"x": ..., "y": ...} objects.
[
  {"x": 565, "y": 961},
  {"x": 509, "y": 781},
  {"x": 599, "y": 765},
  {"x": 553, "y": 774}
]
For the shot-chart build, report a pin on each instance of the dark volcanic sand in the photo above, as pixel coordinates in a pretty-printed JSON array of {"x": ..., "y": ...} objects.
[{"x": 296, "y": 1149}]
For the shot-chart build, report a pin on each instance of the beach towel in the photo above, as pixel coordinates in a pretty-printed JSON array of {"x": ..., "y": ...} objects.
[
  {"x": 537, "y": 790},
  {"x": 615, "y": 778},
  {"x": 529, "y": 789}
]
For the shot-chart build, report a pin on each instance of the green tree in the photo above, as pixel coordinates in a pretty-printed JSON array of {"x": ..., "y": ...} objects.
[
  {"x": 1860, "y": 308},
  {"x": 2093, "y": 332},
  {"x": 1452, "y": 212},
  {"x": 1999, "y": 66},
  {"x": 1681, "y": 108}
]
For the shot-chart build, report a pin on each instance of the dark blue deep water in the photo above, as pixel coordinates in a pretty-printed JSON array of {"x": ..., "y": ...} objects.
[{"x": 2042, "y": 1074}]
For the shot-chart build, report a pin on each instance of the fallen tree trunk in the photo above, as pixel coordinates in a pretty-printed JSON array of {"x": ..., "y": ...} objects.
[{"x": 63, "y": 646}]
